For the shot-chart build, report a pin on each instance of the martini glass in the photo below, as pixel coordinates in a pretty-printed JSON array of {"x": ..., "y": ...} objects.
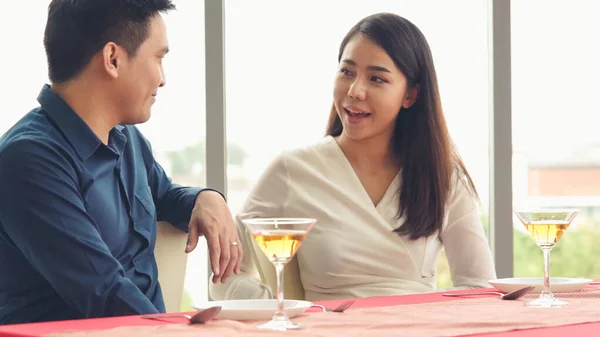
[
  {"x": 279, "y": 239},
  {"x": 547, "y": 227}
]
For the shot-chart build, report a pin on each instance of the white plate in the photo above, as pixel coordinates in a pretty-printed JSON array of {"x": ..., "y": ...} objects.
[
  {"x": 244, "y": 310},
  {"x": 557, "y": 284}
]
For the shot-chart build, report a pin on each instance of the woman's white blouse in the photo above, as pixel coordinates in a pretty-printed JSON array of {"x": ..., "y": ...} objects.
[{"x": 352, "y": 251}]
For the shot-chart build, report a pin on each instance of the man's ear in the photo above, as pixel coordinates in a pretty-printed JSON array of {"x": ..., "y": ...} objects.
[{"x": 112, "y": 58}]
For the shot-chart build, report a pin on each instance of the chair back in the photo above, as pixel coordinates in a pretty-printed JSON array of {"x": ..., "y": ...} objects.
[{"x": 172, "y": 262}]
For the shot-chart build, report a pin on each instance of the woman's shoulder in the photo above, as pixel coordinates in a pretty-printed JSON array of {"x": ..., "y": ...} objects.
[
  {"x": 317, "y": 151},
  {"x": 460, "y": 182},
  {"x": 463, "y": 195},
  {"x": 316, "y": 159}
]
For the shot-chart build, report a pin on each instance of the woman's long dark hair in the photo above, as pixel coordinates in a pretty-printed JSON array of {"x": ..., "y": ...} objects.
[{"x": 421, "y": 142}]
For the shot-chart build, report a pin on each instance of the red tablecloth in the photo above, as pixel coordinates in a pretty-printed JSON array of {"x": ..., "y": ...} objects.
[{"x": 39, "y": 329}]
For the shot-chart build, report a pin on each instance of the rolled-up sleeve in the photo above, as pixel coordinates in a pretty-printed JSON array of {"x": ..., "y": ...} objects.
[{"x": 44, "y": 216}]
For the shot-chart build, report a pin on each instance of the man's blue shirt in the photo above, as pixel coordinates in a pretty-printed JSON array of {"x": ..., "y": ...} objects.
[{"x": 78, "y": 218}]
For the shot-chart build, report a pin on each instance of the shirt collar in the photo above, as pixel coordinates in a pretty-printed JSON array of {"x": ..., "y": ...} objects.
[{"x": 77, "y": 132}]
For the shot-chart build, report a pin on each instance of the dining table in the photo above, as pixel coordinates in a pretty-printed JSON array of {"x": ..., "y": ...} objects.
[{"x": 426, "y": 314}]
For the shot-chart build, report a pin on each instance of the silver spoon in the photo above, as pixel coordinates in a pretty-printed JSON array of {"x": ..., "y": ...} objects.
[
  {"x": 513, "y": 295},
  {"x": 200, "y": 317}
]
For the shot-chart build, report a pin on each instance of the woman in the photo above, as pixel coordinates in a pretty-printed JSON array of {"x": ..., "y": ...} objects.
[{"x": 386, "y": 185}]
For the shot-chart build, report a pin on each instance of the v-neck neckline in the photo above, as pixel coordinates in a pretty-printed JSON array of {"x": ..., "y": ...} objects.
[{"x": 389, "y": 190}]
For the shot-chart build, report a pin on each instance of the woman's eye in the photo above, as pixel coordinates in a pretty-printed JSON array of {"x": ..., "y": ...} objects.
[{"x": 346, "y": 72}]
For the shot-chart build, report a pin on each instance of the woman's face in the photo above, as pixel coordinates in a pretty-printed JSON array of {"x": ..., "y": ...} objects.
[{"x": 369, "y": 90}]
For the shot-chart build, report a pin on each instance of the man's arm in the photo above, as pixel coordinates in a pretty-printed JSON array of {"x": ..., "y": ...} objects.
[
  {"x": 44, "y": 216},
  {"x": 198, "y": 211},
  {"x": 174, "y": 203}
]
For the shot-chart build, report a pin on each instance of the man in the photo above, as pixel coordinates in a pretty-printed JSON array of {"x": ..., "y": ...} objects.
[{"x": 80, "y": 192}]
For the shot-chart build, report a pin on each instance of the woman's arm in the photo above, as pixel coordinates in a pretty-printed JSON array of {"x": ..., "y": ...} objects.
[
  {"x": 267, "y": 199},
  {"x": 247, "y": 284},
  {"x": 467, "y": 248}
]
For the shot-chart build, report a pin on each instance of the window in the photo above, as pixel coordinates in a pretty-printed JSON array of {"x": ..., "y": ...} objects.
[
  {"x": 24, "y": 60},
  {"x": 556, "y": 145}
]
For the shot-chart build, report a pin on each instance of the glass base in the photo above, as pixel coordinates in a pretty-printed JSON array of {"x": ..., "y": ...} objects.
[
  {"x": 546, "y": 300},
  {"x": 280, "y": 324}
]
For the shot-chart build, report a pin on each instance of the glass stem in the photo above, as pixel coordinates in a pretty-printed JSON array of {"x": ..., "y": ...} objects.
[
  {"x": 546, "y": 252},
  {"x": 279, "y": 270}
]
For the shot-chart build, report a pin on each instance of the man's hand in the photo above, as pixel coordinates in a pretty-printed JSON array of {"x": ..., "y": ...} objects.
[{"x": 211, "y": 217}]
